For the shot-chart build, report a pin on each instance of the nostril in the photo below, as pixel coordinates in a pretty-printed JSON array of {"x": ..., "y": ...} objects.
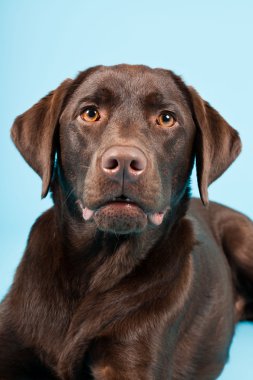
[
  {"x": 136, "y": 165},
  {"x": 111, "y": 163},
  {"x": 123, "y": 163}
]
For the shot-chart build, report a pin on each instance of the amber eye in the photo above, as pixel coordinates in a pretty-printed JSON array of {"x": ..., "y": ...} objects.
[
  {"x": 90, "y": 115},
  {"x": 166, "y": 119}
]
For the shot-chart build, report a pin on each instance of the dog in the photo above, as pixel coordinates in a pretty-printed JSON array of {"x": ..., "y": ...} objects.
[{"x": 126, "y": 277}]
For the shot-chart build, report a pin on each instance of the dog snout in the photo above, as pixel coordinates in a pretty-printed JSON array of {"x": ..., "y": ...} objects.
[{"x": 123, "y": 162}]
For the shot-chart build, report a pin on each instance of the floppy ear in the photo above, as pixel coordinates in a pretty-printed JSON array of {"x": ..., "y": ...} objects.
[
  {"x": 33, "y": 133},
  {"x": 217, "y": 143}
]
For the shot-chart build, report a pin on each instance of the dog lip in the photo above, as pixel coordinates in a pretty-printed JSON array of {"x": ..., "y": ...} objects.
[
  {"x": 121, "y": 199},
  {"x": 88, "y": 213},
  {"x": 120, "y": 202},
  {"x": 155, "y": 217}
]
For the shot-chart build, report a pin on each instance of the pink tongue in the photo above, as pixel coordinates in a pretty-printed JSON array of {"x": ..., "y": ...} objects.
[
  {"x": 87, "y": 213},
  {"x": 156, "y": 218}
]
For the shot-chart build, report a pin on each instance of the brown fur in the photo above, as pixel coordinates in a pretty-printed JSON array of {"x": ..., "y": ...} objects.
[{"x": 109, "y": 298}]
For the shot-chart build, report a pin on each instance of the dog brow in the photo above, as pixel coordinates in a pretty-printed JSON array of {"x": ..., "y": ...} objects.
[
  {"x": 155, "y": 100},
  {"x": 99, "y": 96}
]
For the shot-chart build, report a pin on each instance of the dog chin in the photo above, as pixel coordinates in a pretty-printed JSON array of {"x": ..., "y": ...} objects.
[{"x": 121, "y": 218}]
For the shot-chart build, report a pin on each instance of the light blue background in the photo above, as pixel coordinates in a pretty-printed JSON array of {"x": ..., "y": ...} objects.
[{"x": 42, "y": 42}]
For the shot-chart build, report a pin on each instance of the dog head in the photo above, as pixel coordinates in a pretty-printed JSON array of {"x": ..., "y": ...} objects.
[{"x": 126, "y": 138}]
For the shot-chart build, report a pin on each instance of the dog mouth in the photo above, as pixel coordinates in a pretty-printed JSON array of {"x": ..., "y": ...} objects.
[{"x": 122, "y": 215}]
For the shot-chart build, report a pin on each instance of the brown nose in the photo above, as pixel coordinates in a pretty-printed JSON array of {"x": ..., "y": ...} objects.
[{"x": 126, "y": 162}]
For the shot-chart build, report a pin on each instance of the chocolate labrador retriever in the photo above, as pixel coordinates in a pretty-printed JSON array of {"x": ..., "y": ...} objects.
[{"x": 126, "y": 277}]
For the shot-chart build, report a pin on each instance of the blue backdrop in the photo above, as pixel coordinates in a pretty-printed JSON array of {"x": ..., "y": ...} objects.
[{"x": 43, "y": 42}]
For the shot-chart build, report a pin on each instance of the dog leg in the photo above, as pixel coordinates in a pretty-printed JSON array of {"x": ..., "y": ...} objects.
[{"x": 237, "y": 241}]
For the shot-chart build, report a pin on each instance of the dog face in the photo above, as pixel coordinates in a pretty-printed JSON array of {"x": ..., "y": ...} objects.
[{"x": 126, "y": 138}]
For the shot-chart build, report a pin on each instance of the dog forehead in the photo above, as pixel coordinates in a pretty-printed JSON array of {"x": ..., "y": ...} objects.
[{"x": 131, "y": 80}]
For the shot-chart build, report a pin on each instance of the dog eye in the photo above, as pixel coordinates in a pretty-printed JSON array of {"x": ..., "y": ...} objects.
[
  {"x": 90, "y": 114},
  {"x": 166, "y": 119}
]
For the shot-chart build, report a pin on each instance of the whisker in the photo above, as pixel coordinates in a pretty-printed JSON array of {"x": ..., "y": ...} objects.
[{"x": 68, "y": 195}]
